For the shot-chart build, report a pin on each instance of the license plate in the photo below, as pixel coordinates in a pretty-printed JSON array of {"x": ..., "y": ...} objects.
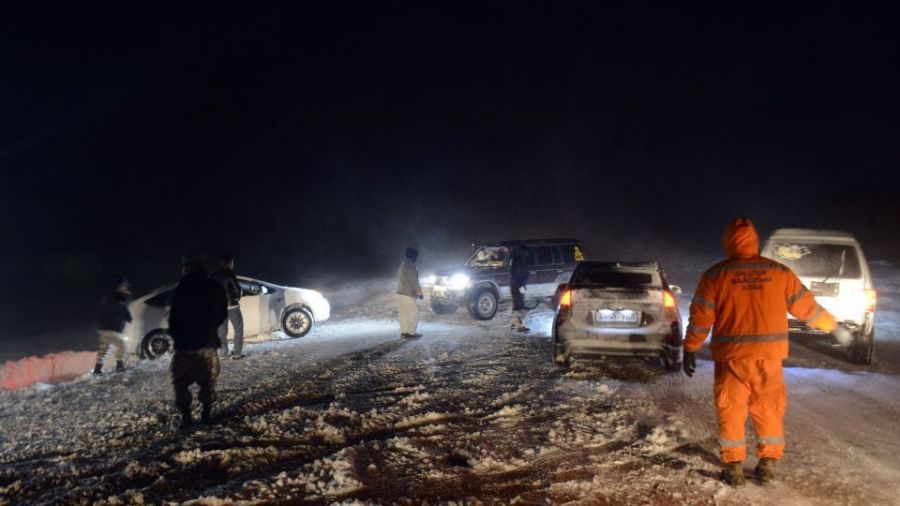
[
  {"x": 825, "y": 289},
  {"x": 440, "y": 292},
  {"x": 617, "y": 316}
]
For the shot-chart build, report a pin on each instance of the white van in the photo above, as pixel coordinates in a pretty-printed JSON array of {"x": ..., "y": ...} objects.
[{"x": 831, "y": 264}]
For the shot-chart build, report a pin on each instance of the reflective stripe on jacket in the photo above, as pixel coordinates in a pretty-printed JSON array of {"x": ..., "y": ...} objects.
[{"x": 745, "y": 299}]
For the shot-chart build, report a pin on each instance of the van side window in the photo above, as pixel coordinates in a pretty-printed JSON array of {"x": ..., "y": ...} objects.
[
  {"x": 568, "y": 253},
  {"x": 557, "y": 255},
  {"x": 544, "y": 255}
]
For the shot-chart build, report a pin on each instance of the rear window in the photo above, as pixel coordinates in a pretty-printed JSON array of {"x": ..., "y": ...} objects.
[
  {"x": 817, "y": 260},
  {"x": 608, "y": 278}
]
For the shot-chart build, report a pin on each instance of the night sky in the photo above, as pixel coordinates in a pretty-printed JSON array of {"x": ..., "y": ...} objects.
[{"x": 311, "y": 141}]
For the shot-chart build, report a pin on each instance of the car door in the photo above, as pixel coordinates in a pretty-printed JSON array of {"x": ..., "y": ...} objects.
[
  {"x": 547, "y": 266},
  {"x": 254, "y": 307}
]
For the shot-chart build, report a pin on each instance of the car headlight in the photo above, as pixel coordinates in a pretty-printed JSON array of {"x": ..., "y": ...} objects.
[
  {"x": 429, "y": 280},
  {"x": 458, "y": 282}
]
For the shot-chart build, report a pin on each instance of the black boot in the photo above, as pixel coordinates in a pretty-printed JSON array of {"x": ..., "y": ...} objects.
[
  {"x": 733, "y": 474},
  {"x": 765, "y": 471},
  {"x": 206, "y": 415},
  {"x": 186, "y": 421},
  {"x": 98, "y": 369},
  {"x": 120, "y": 366}
]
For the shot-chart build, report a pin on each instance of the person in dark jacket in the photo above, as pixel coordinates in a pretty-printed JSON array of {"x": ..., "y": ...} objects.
[
  {"x": 114, "y": 315},
  {"x": 225, "y": 276},
  {"x": 199, "y": 306},
  {"x": 518, "y": 277}
]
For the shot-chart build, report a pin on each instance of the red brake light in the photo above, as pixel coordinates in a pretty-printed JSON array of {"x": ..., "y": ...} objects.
[
  {"x": 565, "y": 300},
  {"x": 668, "y": 300},
  {"x": 871, "y": 300}
]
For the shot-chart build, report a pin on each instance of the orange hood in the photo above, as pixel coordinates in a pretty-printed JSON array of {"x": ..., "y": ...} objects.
[{"x": 740, "y": 239}]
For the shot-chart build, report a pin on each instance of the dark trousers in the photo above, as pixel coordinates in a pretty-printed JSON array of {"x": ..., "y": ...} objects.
[
  {"x": 518, "y": 297},
  {"x": 194, "y": 366}
]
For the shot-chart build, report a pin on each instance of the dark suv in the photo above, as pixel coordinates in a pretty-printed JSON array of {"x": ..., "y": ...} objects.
[{"x": 483, "y": 282}]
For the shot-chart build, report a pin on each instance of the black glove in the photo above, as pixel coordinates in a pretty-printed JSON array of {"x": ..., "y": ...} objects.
[{"x": 689, "y": 363}]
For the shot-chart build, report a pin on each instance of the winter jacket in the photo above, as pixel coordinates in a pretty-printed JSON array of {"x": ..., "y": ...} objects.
[
  {"x": 199, "y": 306},
  {"x": 518, "y": 267},
  {"x": 408, "y": 278},
  {"x": 230, "y": 283},
  {"x": 745, "y": 299},
  {"x": 114, "y": 313}
]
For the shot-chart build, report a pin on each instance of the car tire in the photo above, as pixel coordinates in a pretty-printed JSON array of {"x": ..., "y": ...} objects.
[
  {"x": 863, "y": 346},
  {"x": 561, "y": 359},
  {"x": 443, "y": 308},
  {"x": 157, "y": 343},
  {"x": 531, "y": 303},
  {"x": 297, "y": 321},
  {"x": 483, "y": 304}
]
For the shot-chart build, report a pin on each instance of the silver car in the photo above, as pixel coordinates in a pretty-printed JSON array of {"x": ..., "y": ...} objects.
[
  {"x": 266, "y": 307},
  {"x": 832, "y": 265},
  {"x": 618, "y": 308}
]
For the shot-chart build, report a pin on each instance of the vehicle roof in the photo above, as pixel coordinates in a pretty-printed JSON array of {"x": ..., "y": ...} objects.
[
  {"x": 517, "y": 242},
  {"x": 812, "y": 234},
  {"x": 621, "y": 265}
]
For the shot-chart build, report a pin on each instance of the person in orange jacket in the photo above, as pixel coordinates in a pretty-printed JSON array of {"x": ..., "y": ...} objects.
[{"x": 744, "y": 301}]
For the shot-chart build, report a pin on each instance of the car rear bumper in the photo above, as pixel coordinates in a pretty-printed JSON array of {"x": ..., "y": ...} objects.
[
  {"x": 865, "y": 324},
  {"x": 623, "y": 342}
]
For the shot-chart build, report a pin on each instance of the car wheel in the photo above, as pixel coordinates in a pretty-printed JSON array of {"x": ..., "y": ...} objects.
[
  {"x": 863, "y": 346},
  {"x": 443, "y": 308},
  {"x": 296, "y": 321},
  {"x": 531, "y": 303},
  {"x": 483, "y": 304},
  {"x": 561, "y": 358},
  {"x": 156, "y": 344}
]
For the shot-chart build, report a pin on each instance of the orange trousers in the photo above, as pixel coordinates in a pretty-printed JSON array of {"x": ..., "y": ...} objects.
[{"x": 758, "y": 384}]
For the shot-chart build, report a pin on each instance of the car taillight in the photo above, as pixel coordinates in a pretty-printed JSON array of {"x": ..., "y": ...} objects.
[
  {"x": 670, "y": 305},
  {"x": 565, "y": 300},
  {"x": 565, "y": 305},
  {"x": 871, "y": 300},
  {"x": 668, "y": 300}
]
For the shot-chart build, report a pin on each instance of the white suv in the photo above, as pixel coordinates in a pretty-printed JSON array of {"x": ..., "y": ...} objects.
[{"x": 832, "y": 266}]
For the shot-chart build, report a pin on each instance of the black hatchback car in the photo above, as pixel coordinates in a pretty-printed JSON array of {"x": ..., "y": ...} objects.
[{"x": 483, "y": 281}]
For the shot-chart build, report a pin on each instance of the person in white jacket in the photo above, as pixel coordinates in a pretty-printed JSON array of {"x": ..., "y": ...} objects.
[{"x": 408, "y": 290}]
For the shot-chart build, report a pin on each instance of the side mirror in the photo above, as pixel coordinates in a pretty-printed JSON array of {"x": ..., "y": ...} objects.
[{"x": 675, "y": 289}]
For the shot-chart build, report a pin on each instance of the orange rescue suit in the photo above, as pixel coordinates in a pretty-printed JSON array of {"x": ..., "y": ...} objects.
[{"x": 744, "y": 301}]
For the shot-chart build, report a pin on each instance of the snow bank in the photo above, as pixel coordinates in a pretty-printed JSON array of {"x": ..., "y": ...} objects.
[{"x": 52, "y": 368}]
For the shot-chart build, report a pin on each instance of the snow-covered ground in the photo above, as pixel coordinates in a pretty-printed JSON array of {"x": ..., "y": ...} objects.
[{"x": 468, "y": 414}]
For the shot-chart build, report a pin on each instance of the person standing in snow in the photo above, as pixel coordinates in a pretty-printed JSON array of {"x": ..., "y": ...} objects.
[
  {"x": 225, "y": 276},
  {"x": 408, "y": 290},
  {"x": 744, "y": 300},
  {"x": 518, "y": 277},
  {"x": 199, "y": 306},
  {"x": 114, "y": 315}
]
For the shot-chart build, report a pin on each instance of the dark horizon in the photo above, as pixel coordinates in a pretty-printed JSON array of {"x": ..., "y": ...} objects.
[{"x": 313, "y": 141}]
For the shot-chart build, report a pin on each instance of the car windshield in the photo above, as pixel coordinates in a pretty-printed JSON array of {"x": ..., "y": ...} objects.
[
  {"x": 609, "y": 278},
  {"x": 488, "y": 256},
  {"x": 817, "y": 260}
]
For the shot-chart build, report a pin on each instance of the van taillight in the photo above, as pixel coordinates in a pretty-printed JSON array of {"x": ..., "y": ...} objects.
[{"x": 871, "y": 300}]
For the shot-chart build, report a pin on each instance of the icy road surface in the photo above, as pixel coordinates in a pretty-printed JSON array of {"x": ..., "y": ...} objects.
[{"x": 469, "y": 414}]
